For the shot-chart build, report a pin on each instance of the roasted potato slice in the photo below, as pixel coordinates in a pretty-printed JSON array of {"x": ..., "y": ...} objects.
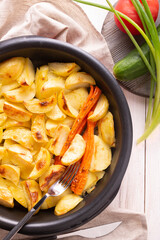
[
  {"x": 56, "y": 114},
  {"x": 11, "y": 69},
  {"x": 32, "y": 192},
  {"x": 75, "y": 151},
  {"x": 3, "y": 118},
  {"x": 68, "y": 121},
  {"x": 16, "y": 112},
  {"x": 52, "y": 125},
  {"x": 41, "y": 106},
  {"x": 28, "y": 75},
  {"x": 100, "y": 110},
  {"x": 8, "y": 87},
  {"x": 10, "y": 172},
  {"x": 6, "y": 198},
  {"x": 63, "y": 69},
  {"x": 65, "y": 105},
  {"x": 1, "y": 134},
  {"x": 21, "y": 94},
  {"x": 53, "y": 85},
  {"x": 17, "y": 193},
  {"x": 52, "y": 201},
  {"x": 60, "y": 136},
  {"x": 67, "y": 203},
  {"x": 42, "y": 163},
  {"x": 2, "y": 152},
  {"x": 38, "y": 128},
  {"x": 9, "y": 123},
  {"x": 21, "y": 135},
  {"x": 51, "y": 176},
  {"x": 77, "y": 97},
  {"x": 106, "y": 129},
  {"x": 40, "y": 78},
  {"x": 22, "y": 158},
  {"x": 102, "y": 155},
  {"x": 79, "y": 80},
  {"x": 1, "y": 105},
  {"x": 92, "y": 179}
]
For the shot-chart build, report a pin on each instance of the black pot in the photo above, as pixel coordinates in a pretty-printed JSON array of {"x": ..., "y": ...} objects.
[{"x": 41, "y": 51}]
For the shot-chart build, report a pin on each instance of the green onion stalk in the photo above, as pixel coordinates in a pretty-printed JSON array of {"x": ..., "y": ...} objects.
[{"x": 150, "y": 35}]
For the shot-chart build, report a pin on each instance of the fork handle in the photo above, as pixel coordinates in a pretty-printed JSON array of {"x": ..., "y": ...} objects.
[{"x": 25, "y": 219}]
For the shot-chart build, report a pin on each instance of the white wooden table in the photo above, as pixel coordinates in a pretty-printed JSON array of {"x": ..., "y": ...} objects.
[{"x": 140, "y": 189}]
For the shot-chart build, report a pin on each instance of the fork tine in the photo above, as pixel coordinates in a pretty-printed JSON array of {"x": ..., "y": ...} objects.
[
  {"x": 66, "y": 173},
  {"x": 65, "y": 180},
  {"x": 68, "y": 179}
]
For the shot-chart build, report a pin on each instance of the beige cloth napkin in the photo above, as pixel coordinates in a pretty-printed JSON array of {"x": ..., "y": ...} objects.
[{"x": 65, "y": 21}]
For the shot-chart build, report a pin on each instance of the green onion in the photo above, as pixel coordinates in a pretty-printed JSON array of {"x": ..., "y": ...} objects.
[{"x": 151, "y": 37}]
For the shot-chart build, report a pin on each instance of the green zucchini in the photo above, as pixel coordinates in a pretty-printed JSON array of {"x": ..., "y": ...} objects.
[{"x": 132, "y": 66}]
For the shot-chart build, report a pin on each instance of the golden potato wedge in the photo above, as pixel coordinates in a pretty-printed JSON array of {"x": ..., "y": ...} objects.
[
  {"x": 21, "y": 94},
  {"x": 21, "y": 135},
  {"x": 79, "y": 80},
  {"x": 37, "y": 147},
  {"x": 52, "y": 201},
  {"x": 41, "y": 106},
  {"x": 1, "y": 134},
  {"x": 17, "y": 193},
  {"x": 1, "y": 105},
  {"x": 16, "y": 112},
  {"x": 56, "y": 114},
  {"x": 22, "y": 158},
  {"x": 9, "y": 123},
  {"x": 8, "y": 87},
  {"x": 92, "y": 179},
  {"x": 75, "y": 151},
  {"x": 38, "y": 128},
  {"x": 42, "y": 163},
  {"x": 91, "y": 182},
  {"x": 11, "y": 69},
  {"x": 65, "y": 105},
  {"x": 100, "y": 110},
  {"x": 2, "y": 152},
  {"x": 51, "y": 176},
  {"x": 6, "y": 198},
  {"x": 67, "y": 203},
  {"x": 32, "y": 192},
  {"x": 106, "y": 129},
  {"x": 40, "y": 78},
  {"x": 60, "y": 136},
  {"x": 53, "y": 85},
  {"x": 68, "y": 121},
  {"x": 51, "y": 127},
  {"x": 63, "y": 69},
  {"x": 99, "y": 174},
  {"x": 3, "y": 118},
  {"x": 102, "y": 155},
  {"x": 10, "y": 172},
  {"x": 28, "y": 75},
  {"x": 77, "y": 97}
]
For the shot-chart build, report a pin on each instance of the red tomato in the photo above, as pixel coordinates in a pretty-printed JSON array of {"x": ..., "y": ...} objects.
[{"x": 126, "y": 7}]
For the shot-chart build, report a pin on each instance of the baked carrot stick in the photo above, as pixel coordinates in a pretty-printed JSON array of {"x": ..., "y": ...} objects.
[
  {"x": 80, "y": 179},
  {"x": 86, "y": 108},
  {"x": 81, "y": 120}
]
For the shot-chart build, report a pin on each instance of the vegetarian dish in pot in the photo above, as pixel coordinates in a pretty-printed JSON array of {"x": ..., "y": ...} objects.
[{"x": 51, "y": 118}]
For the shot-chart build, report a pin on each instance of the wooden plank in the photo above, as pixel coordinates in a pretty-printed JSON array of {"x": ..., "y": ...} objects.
[
  {"x": 152, "y": 202},
  {"x": 131, "y": 194}
]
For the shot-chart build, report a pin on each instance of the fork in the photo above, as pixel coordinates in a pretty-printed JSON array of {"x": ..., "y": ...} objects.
[{"x": 56, "y": 189}]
